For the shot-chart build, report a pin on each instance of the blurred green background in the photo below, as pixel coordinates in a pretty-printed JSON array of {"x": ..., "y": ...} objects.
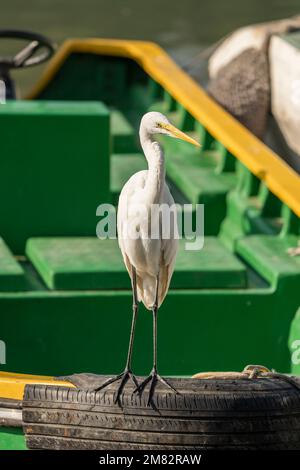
[{"x": 183, "y": 27}]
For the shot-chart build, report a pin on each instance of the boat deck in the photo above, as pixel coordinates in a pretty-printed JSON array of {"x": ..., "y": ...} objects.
[{"x": 65, "y": 297}]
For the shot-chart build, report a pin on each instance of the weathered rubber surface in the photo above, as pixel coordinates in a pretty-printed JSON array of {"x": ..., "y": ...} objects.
[{"x": 208, "y": 414}]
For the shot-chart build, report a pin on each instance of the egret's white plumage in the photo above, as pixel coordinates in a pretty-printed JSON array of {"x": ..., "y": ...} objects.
[{"x": 150, "y": 257}]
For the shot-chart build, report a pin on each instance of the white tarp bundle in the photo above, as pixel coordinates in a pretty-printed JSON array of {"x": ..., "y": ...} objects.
[{"x": 239, "y": 72}]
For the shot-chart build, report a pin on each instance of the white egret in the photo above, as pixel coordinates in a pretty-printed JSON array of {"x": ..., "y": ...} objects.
[{"x": 149, "y": 261}]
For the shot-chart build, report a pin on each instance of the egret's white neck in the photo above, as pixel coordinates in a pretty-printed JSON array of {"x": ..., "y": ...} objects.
[{"x": 156, "y": 165}]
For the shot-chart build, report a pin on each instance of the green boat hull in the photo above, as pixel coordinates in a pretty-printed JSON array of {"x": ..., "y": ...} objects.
[{"x": 233, "y": 306}]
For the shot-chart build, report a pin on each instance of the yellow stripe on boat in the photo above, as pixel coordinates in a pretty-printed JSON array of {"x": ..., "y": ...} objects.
[
  {"x": 282, "y": 180},
  {"x": 12, "y": 384}
]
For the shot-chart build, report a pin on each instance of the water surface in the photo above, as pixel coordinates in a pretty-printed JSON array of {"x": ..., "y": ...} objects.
[{"x": 182, "y": 27}]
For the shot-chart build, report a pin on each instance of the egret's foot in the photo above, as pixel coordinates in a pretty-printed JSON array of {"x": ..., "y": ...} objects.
[
  {"x": 153, "y": 378},
  {"x": 124, "y": 377}
]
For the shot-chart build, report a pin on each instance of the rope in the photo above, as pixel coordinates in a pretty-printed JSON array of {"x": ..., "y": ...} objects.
[
  {"x": 256, "y": 372},
  {"x": 250, "y": 372}
]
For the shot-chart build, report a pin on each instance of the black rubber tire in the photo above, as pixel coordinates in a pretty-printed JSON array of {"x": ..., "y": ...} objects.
[{"x": 208, "y": 414}]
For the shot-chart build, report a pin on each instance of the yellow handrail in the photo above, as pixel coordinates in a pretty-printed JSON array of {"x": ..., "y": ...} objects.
[
  {"x": 12, "y": 384},
  {"x": 282, "y": 180}
]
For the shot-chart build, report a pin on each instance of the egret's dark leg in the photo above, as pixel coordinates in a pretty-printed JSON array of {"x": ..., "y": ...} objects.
[
  {"x": 127, "y": 373},
  {"x": 154, "y": 376}
]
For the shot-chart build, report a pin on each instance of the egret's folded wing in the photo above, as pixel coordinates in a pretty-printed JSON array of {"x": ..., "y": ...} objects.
[
  {"x": 129, "y": 190},
  {"x": 169, "y": 248}
]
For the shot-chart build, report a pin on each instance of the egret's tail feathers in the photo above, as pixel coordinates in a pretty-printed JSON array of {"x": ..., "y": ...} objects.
[{"x": 146, "y": 288}]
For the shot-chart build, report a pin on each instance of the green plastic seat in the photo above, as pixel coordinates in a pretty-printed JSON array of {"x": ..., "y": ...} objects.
[
  {"x": 213, "y": 267},
  {"x": 12, "y": 275},
  {"x": 251, "y": 209},
  {"x": 268, "y": 255},
  {"x": 194, "y": 175},
  {"x": 89, "y": 263},
  {"x": 122, "y": 167},
  {"x": 124, "y": 136}
]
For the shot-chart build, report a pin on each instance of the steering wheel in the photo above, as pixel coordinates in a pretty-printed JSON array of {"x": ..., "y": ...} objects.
[{"x": 38, "y": 50}]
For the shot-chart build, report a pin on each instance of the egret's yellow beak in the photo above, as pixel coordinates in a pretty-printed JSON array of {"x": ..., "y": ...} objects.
[{"x": 179, "y": 134}]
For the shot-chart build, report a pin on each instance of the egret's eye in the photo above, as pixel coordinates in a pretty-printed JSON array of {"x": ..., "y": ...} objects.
[{"x": 159, "y": 125}]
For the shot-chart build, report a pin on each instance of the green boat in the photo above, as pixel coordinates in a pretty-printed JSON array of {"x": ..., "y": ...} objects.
[{"x": 65, "y": 296}]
